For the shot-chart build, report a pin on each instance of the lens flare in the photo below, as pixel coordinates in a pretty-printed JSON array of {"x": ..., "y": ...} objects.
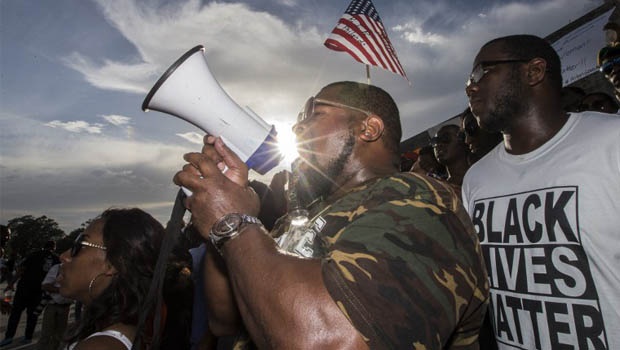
[{"x": 287, "y": 143}]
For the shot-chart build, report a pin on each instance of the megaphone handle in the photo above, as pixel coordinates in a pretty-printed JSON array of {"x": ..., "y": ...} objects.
[{"x": 189, "y": 193}]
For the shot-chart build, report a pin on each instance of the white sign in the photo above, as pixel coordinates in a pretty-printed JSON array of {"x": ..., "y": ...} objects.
[{"x": 578, "y": 49}]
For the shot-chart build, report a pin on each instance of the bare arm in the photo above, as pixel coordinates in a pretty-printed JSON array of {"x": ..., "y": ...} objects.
[
  {"x": 224, "y": 318},
  {"x": 282, "y": 299}
]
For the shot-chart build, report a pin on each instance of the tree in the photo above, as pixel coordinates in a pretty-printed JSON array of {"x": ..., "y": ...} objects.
[
  {"x": 29, "y": 234},
  {"x": 5, "y": 235}
]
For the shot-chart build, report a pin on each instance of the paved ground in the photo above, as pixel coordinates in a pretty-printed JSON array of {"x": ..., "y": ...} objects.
[
  {"x": 20, "y": 333},
  {"x": 20, "y": 330}
]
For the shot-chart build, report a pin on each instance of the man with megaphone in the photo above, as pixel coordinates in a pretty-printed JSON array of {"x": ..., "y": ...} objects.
[{"x": 401, "y": 264}]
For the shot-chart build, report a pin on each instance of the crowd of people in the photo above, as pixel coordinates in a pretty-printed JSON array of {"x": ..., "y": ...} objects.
[
  {"x": 503, "y": 234},
  {"x": 514, "y": 162}
]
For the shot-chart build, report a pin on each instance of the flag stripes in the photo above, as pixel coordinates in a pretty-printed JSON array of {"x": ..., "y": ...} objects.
[{"x": 361, "y": 34}]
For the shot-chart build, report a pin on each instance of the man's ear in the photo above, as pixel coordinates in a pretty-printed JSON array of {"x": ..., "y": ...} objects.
[
  {"x": 373, "y": 128},
  {"x": 536, "y": 70}
]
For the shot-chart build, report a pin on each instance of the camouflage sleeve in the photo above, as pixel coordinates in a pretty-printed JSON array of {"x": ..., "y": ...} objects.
[{"x": 408, "y": 274}]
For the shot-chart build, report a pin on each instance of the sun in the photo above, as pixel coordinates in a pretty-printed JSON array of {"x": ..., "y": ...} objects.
[{"x": 286, "y": 143}]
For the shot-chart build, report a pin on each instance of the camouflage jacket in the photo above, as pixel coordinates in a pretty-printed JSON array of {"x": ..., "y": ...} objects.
[
  {"x": 402, "y": 261},
  {"x": 404, "y": 264}
]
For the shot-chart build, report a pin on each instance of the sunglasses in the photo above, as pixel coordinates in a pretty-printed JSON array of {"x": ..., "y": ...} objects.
[
  {"x": 608, "y": 66},
  {"x": 308, "y": 109},
  {"x": 482, "y": 69},
  {"x": 79, "y": 242}
]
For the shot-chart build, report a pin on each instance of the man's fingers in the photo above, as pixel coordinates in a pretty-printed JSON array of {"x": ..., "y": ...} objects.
[
  {"x": 208, "y": 147},
  {"x": 187, "y": 179},
  {"x": 190, "y": 168},
  {"x": 198, "y": 166},
  {"x": 208, "y": 139},
  {"x": 229, "y": 157},
  {"x": 215, "y": 160},
  {"x": 206, "y": 165}
]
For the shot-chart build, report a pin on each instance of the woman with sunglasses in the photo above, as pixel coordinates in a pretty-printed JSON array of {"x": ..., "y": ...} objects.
[{"x": 109, "y": 269}]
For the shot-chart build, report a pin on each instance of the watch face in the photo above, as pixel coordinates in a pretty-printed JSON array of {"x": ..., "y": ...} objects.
[{"x": 227, "y": 225}]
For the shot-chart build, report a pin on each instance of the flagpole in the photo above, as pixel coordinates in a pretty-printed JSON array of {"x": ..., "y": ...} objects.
[{"x": 368, "y": 74}]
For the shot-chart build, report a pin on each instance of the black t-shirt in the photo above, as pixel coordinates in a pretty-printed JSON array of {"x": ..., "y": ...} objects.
[{"x": 34, "y": 268}]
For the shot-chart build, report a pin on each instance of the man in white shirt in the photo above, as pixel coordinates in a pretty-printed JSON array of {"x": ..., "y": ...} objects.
[
  {"x": 544, "y": 203},
  {"x": 56, "y": 314}
]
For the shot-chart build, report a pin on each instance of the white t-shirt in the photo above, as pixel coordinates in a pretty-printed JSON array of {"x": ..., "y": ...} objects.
[
  {"x": 549, "y": 226},
  {"x": 51, "y": 278}
]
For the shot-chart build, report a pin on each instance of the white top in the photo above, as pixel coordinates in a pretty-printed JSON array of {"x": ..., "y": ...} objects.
[
  {"x": 51, "y": 278},
  {"x": 108, "y": 333},
  {"x": 549, "y": 227}
]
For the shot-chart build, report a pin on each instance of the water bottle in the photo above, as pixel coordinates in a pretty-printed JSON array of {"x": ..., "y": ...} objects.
[{"x": 300, "y": 239}]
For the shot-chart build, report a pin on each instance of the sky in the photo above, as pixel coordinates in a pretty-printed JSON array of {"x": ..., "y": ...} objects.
[{"x": 73, "y": 74}]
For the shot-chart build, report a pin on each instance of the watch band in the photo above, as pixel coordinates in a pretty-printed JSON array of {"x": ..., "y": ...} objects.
[{"x": 228, "y": 227}]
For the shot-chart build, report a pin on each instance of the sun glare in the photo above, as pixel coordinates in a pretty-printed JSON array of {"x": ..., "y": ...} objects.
[{"x": 286, "y": 143}]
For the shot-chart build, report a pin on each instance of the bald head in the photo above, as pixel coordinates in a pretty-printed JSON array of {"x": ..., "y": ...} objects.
[{"x": 372, "y": 99}]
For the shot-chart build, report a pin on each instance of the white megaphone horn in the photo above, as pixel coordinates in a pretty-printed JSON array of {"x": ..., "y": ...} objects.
[{"x": 189, "y": 91}]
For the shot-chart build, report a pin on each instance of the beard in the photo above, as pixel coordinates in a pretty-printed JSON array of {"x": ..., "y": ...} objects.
[
  {"x": 313, "y": 182},
  {"x": 509, "y": 104}
]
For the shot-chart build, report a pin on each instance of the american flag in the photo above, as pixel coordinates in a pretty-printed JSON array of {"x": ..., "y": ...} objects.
[{"x": 360, "y": 32}]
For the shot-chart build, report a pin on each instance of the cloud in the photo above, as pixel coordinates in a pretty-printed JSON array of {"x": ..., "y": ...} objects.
[
  {"x": 438, "y": 42},
  {"x": 75, "y": 176},
  {"x": 260, "y": 59},
  {"x": 192, "y": 137},
  {"x": 228, "y": 30},
  {"x": 72, "y": 170},
  {"x": 288, "y": 3},
  {"x": 112, "y": 75},
  {"x": 74, "y": 195},
  {"x": 34, "y": 147},
  {"x": 93, "y": 153},
  {"x": 77, "y": 126},
  {"x": 415, "y": 34},
  {"x": 117, "y": 120}
]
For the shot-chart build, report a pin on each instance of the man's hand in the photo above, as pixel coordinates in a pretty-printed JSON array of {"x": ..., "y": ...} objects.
[{"x": 219, "y": 182}]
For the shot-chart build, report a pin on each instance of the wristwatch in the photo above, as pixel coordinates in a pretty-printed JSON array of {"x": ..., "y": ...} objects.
[{"x": 228, "y": 227}]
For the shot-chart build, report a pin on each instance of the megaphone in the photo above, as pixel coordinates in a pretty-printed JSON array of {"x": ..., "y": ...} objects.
[{"x": 189, "y": 91}]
